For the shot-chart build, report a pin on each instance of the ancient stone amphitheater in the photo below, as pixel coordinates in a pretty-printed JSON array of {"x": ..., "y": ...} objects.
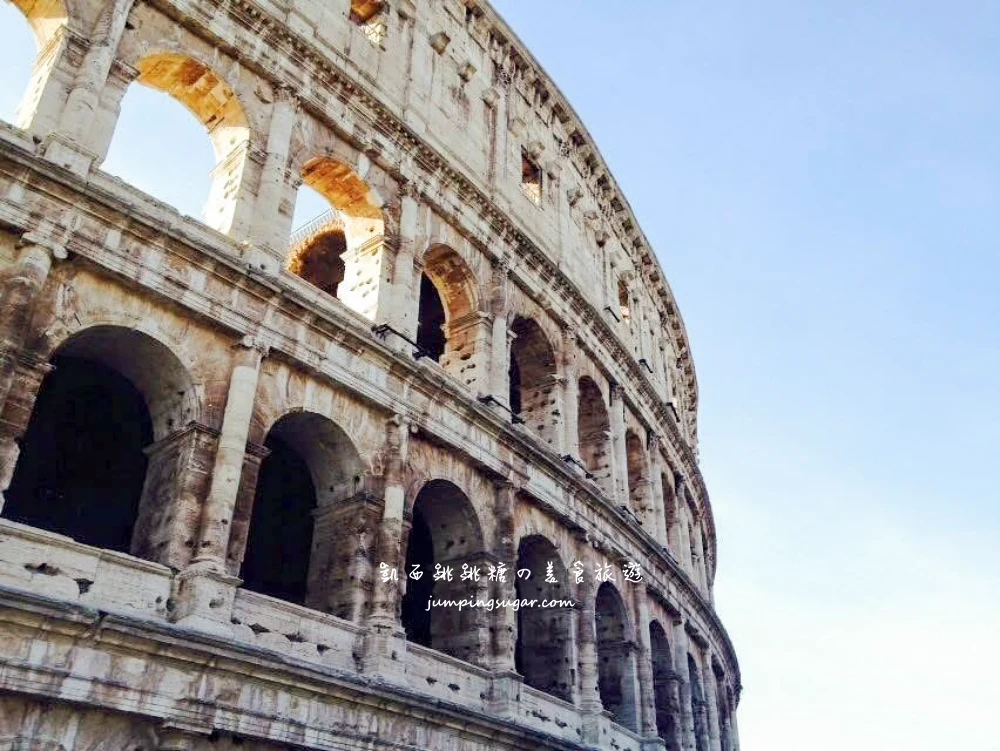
[{"x": 226, "y": 444}]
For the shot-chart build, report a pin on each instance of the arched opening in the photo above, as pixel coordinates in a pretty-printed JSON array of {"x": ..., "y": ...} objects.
[
  {"x": 350, "y": 210},
  {"x": 594, "y": 429},
  {"x": 445, "y": 532},
  {"x": 663, "y": 675},
  {"x": 431, "y": 318},
  {"x": 448, "y": 325},
  {"x": 543, "y": 651},
  {"x": 298, "y": 547},
  {"x": 99, "y": 458},
  {"x": 638, "y": 481},
  {"x": 320, "y": 258},
  {"x": 697, "y": 704},
  {"x": 532, "y": 378},
  {"x": 721, "y": 706},
  {"x": 615, "y": 661},
  {"x": 624, "y": 304},
  {"x": 154, "y": 168}
]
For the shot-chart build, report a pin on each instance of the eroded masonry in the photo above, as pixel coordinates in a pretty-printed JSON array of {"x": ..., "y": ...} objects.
[{"x": 213, "y": 434}]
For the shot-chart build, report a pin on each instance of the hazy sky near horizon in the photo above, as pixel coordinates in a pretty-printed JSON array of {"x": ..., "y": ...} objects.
[{"x": 821, "y": 182}]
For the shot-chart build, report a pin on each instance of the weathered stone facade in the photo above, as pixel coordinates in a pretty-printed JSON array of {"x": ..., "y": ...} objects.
[{"x": 213, "y": 435}]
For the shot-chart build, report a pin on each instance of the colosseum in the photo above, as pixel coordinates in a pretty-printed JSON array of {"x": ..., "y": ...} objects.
[{"x": 418, "y": 475}]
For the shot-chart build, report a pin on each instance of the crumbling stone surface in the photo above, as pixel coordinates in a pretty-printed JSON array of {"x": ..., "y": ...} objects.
[{"x": 294, "y": 451}]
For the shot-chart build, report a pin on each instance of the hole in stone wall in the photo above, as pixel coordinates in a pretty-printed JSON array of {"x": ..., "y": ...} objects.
[
  {"x": 532, "y": 377},
  {"x": 82, "y": 467},
  {"x": 445, "y": 531},
  {"x": 615, "y": 666},
  {"x": 659, "y": 648},
  {"x": 531, "y": 179},
  {"x": 431, "y": 319},
  {"x": 542, "y": 650},
  {"x": 276, "y": 561},
  {"x": 623, "y": 301}
]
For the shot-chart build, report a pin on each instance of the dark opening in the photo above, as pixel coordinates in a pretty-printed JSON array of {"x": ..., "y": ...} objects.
[
  {"x": 82, "y": 466},
  {"x": 623, "y": 301},
  {"x": 514, "y": 378},
  {"x": 541, "y": 652},
  {"x": 430, "y": 321},
  {"x": 662, "y": 672},
  {"x": 614, "y": 679},
  {"x": 420, "y": 550},
  {"x": 319, "y": 262},
  {"x": 276, "y": 562}
]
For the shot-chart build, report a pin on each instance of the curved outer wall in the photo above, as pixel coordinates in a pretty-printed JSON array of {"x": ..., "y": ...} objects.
[{"x": 544, "y": 411}]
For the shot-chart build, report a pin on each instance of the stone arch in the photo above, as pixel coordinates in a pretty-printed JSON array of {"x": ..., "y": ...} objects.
[
  {"x": 637, "y": 465},
  {"x": 543, "y": 652},
  {"x": 664, "y": 686},
  {"x": 355, "y": 220},
  {"x": 449, "y": 322},
  {"x": 204, "y": 93},
  {"x": 305, "y": 522},
  {"x": 444, "y": 531},
  {"x": 594, "y": 428},
  {"x": 533, "y": 378},
  {"x": 112, "y": 432},
  {"x": 616, "y": 674}
]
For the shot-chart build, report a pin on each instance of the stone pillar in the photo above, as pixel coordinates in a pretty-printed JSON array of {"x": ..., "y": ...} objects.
[
  {"x": 571, "y": 396},
  {"x": 595, "y": 721},
  {"x": 399, "y": 309},
  {"x": 228, "y": 467},
  {"x": 499, "y": 387},
  {"x": 619, "y": 456},
  {"x": 504, "y": 628},
  {"x": 506, "y": 683},
  {"x": 109, "y": 106},
  {"x": 205, "y": 588},
  {"x": 18, "y": 297},
  {"x": 698, "y": 559},
  {"x": 69, "y": 145},
  {"x": 15, "y": 414},
  {"x": 656, "y": 489},
  {"x": 384, "y": 646},
  {"x": 686, "y": 718},
  {"x": 51, "y": 79},
  {"x": 269, "y": 231},
  {"x": 711, "y": 705},
  {"x": 644, "y": 667}
]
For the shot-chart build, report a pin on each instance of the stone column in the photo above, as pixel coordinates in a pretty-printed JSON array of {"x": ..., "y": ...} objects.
[
  {"x": 68, "y": 145},
  {"x": 269, "y": 231},
  {"x": 712, "y": 705},
  {"x": 205, "y": 589},
  {"x": 656, "y": 489},
  {"x": 594, "y": 719},
  {"x": 384, "y": 645},
  {"x": 51, "y": 79},
  {"x": 399, "y": 309},
  {"x": 644, "y": 667},
  {"x": 619, "y": 456},
  {"x": 499, "y": 387},
  {"x": 698, "y": 561},
  {"x": 15, "y": 414},
  {"x": 18, "y": 297},
  {"x": 686, "y": 718},
  {"x": 504, "y": 632},
  {"x": 571, "y": 396}
]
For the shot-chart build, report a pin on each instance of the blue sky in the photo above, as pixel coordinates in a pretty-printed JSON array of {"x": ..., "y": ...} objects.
[{"x": 821, "y": 182}]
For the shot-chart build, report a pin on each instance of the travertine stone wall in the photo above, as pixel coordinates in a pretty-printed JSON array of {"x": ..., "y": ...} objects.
[{"x": 419, "y": 123}]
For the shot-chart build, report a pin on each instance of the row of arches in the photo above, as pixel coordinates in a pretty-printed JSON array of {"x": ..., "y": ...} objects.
[{"x": 100, "y": 462}]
